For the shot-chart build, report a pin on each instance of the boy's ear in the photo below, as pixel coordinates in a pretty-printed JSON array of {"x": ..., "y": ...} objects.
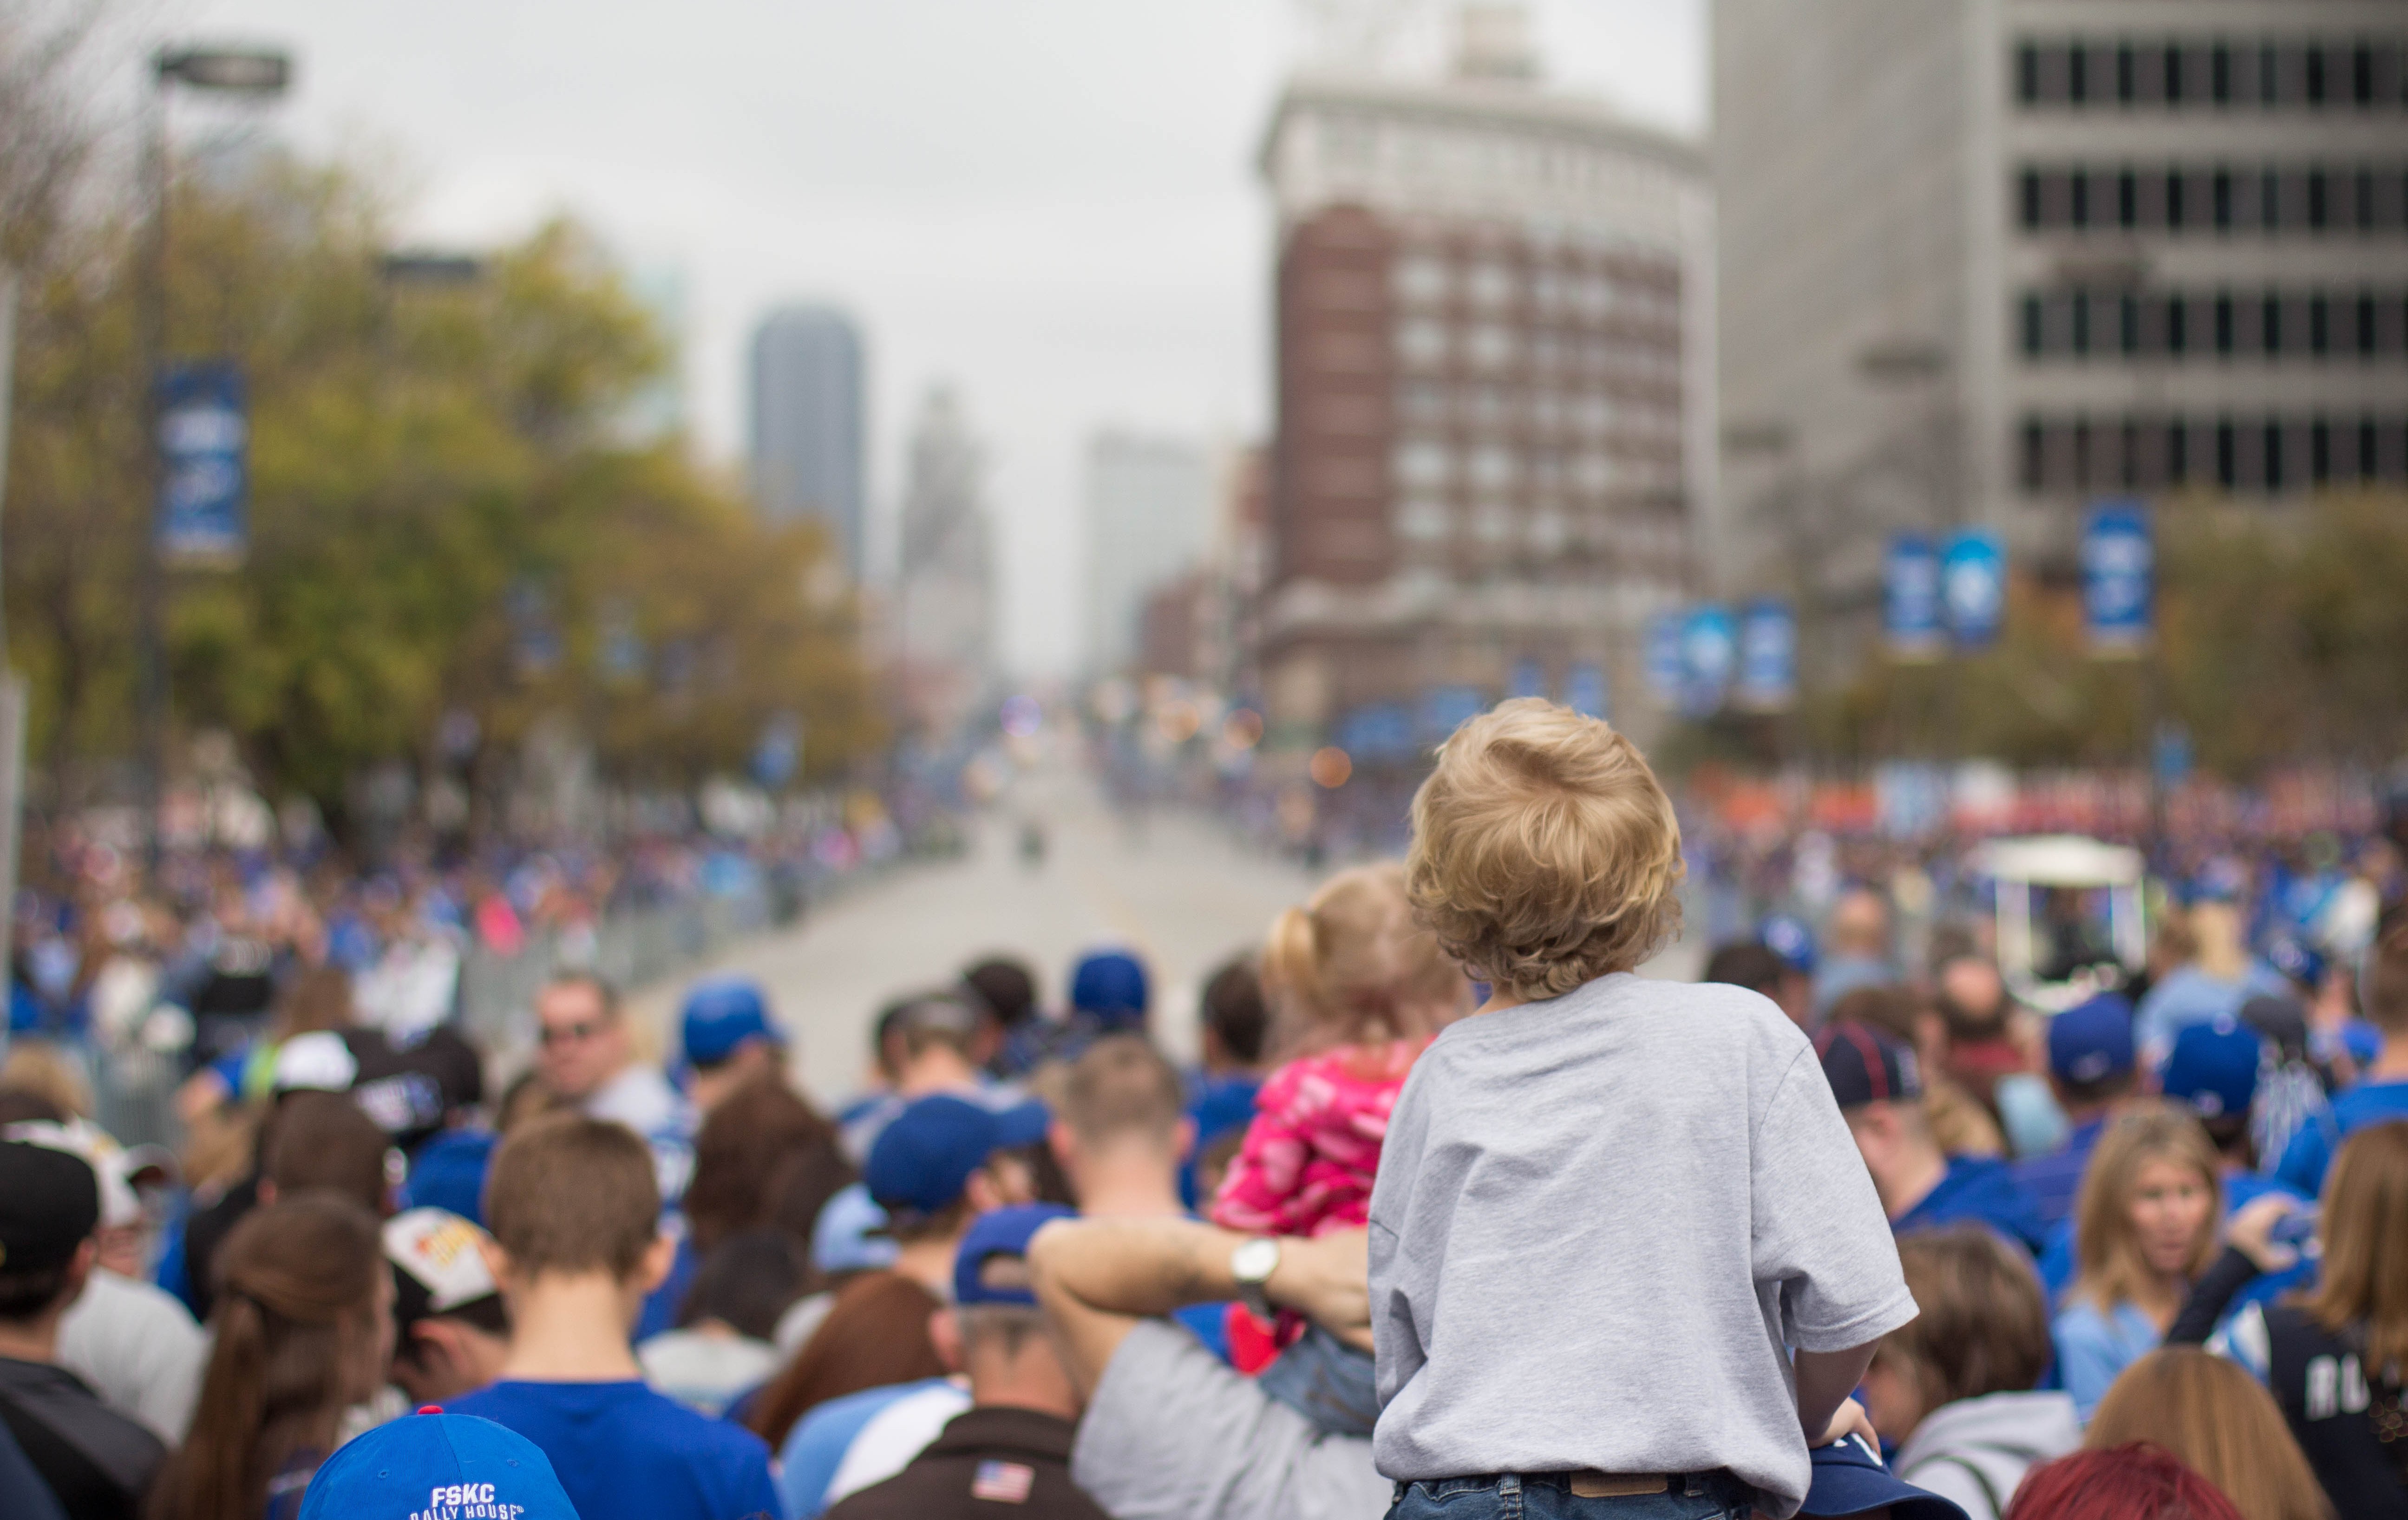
[
  {"x": 497, "y": 1261},
  {"x": 1183, "y": 1146},
  {"x": 660, "y": 1259},
  {"x": 1059, "y": 1141},
  {"x": 945, "y": 1334}
]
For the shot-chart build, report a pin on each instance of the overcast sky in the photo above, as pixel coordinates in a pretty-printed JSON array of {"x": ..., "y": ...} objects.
[{"x": 1051, "y": 202}]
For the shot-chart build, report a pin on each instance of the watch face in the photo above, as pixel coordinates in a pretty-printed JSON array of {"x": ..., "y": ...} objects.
[{"x": 1254, "y": 1261}]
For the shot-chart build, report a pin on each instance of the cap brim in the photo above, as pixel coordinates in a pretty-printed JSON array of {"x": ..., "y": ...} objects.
[
  {"x": 1840, "y": 1489},
  {"x": 1022, "y": 1123}
]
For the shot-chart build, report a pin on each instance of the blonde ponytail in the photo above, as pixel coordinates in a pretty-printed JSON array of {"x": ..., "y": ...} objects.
[{"x": 1353, "y": 967}]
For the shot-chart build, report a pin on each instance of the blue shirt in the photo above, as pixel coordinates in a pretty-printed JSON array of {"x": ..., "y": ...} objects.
[
  {"x": 1218, "y": 1105},
  {"x": 2310, "y": 1151},
  {"x": 2189, "y": 995},
  {"x": 448, "y": 1173},
  {"x": 626, "y": 1453},
  {"x": 2053, "y": 1181},
  {"x": 2093, "y": 1348},
  {"x": 1983, "y": 1191},
  {"x": 815, "y": 1447}
]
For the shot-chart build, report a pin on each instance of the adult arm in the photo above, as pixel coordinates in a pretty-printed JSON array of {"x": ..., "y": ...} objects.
[
  {"x": 1825, "y": 1379},
  {"x": 1097, "y": 1278},
  {"x": 2248, "y": 1253}
]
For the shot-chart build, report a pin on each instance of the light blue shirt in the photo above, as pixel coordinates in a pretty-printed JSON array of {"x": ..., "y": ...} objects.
[
  {"x": 2093, "y": 1349},
  {"x": 2189, "y": 995}
]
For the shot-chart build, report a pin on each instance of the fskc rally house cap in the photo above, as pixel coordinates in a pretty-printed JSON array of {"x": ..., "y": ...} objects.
[{"x": 435, "y": 1466}]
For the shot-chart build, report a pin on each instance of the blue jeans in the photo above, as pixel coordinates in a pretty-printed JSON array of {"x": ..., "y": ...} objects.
[
  {"x": 1548, "y": 1496},
  {"x": 1326, "y": 1381}
]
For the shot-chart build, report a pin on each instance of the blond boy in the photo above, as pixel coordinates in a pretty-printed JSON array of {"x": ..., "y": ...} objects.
[{"x": 1621, "y": 1246}]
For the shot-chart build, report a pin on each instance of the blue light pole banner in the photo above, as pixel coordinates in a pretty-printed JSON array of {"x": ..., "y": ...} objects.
[
  {"x": 1667, "y": 668},
  {"x": 2118, "y": 578},
  {"x": 1584, "y": 691},
  {"x": 1709, "y": 657},
  {"x": 1767, "y": 656},
  {"x": 1446, "y": 708},
  {"x": 1379, "y": 731},
  {"x": 1911, "y": 598},
  {"x": 204, "y": 464},
  {"x": 1529, "y": 680},
  {"x": 1973, "y": 587}
]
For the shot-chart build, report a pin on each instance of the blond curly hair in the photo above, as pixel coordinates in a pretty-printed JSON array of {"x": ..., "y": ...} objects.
[{"x": 1545, "y": 854}]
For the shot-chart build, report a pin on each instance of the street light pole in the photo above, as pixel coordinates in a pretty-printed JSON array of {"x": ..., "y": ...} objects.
[{"x": 259, "y": 74}]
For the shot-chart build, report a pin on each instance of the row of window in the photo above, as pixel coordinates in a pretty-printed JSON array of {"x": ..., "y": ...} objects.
[
  {"x": 1546, "y": 531},
  {"x": 1436, "y": 403},
  {"x": 1494, "y": 285},
  {"x": 1430, "y": 343},
  {"x": 2269, "y": 455},
  {"x": 2364, "y": 73},
  {"x": 1436, "y": 466},
  {"x": 2214, "y": 197},
  {"x": 2224, "y": 323}
]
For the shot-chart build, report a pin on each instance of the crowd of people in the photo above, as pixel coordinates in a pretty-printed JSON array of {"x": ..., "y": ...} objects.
[{"x": 1457, "y": 1217}]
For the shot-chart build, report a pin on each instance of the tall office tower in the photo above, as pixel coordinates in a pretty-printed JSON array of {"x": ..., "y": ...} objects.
[
  {"x": 808, "y": 423},
  {"x": 944, "y": 612},
  {"x": 1985, "y": 260},
  {"x": 1148, "y": 519},
  {"x": 1495, "y": 399}
]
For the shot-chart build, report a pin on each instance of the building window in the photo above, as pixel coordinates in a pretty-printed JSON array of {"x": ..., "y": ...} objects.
[
  {"x": 2028, "y": 74},
  {"x": 2128, "y": 322},
  {"x": 2077, "y": 74},
  {"x": 2174, "y": 182},
  {"x": 2222, "y": 194},
  {"x": 1495, "y": 468},
  {"x": 2081, "y": 189},
  {"x": 2320, "y": 452},
  {"x": 1421, "y": 342},
  {"x": 2177, "y": 326},
  {"x": 1423, "y": 463},
  {"x": 2034, "y": 470},
  {"x": 2227, "y": 461},
  {"x": 2082, "y": 323},
  {"x": 1422, "y": 518},
  {"x": 2177, "y": 454},
  {"x": 2223, "y": 325},
  {"x": 2126, "y": 79},
  {"x": 2128, "y": 200},
  {"x": 2035, "y": 326},
  {"x": 2173, "y": 76},
  {"x": 1490, "y": 346},
  {"x": 2316, "y": 200},
  {"x": 2270, "y": 200},
  {"x": 2269, "y": 324},
  {"x": 2032, "y": 198},
  {"x": 1490, "y": 285},
  {"x": 1422, "y": 279},
  {"x": 2366, "y": 325},
  {"x": 2275, "y": 479},
  {"x": 1491, "y": 523},
  {"x": 2219, "y": 75},
  {"x": 2319, "y": 326}
]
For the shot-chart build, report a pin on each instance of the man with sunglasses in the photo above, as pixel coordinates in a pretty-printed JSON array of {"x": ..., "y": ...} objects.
[{"x": 587, "y": 1059}]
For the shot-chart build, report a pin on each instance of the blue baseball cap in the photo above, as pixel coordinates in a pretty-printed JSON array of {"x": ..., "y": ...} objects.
[
  {"x": 845, "y": 1238},
  {"x": 2296, "y": 959},
  {"x": 721, "y": 1014},
  {"x": 437, "y": 1463},
  {"x": 2092, "y": 1041},
  {"x": 1849, "y": 1479},
  {"x": 1005, "y": 1232},
  {"x": 924, "y": 1158},
  {"x": 2213, "y": 1067},
  {"x": 1792, "y": 941},
  {"x": 1110, "y": 987}
]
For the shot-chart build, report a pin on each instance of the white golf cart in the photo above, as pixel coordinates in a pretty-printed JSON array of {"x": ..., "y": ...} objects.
[{"x": 2090, "y": 934}]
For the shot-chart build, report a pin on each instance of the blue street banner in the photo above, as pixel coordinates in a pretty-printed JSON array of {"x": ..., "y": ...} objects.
[
  {"x": 1911, "y": 598},
  {"x": 780, "y": 754},
  {"x": 1446, "y": 708},
  {"x": 1709, "y": 657},
  {"x": 203, "y": 465},
  {"x": 1973, "y": 587},
  {"x": 1767, "y": 656},
  {"x": 1584, "y": 691},
  {"x": 1665, "y": 666},
  {"x": 2118, "y": 578},
  {"x": 1378, "y": 731},
  {"x": 1529, "y": 680}
]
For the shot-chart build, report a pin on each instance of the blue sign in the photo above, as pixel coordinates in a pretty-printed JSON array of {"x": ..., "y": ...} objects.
[
  {"x": 1380, "y": 731},
  {"x": 1768, "y": 656},
  {"x": 1446, "y": 708},
  {"x": 204, "y": 464},
  {"x": 1529, "y": 679},
  {"x": 2118, "y": 578},
  {"x": 1973, "y": 587},
  {"x": 1709, "y": 658},
  {"x": 1665, "y": 670},
  {"x": 780, "y": 754},
  {"x": 1911, "y": 597},
  {"x": 1584, "y": 691}
]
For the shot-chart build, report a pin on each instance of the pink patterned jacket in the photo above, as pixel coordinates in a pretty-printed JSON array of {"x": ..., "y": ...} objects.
[{"x": 1314, "y": 1147}]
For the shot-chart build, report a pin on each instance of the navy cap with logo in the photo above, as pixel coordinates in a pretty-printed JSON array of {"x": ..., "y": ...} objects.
[
  {"x": 1110, "y": 987},
  {"x": 432, "y": 1465},
  {"x": 1849, "y": 1479},
  {"x": 2092, "y": 1041},
  {"x": 50, "y": 1205},
  {"x": 720, "y": 1015},
  {"x": 2213, "y": 1068},
  {"x": 1005, "y": 1233},
  {"x": 1865, "y": 1066},
  {"x": 924, "y": 1158}
]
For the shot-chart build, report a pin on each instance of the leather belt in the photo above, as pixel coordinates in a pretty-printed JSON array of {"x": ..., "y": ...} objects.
[{"x": 1590, "y": 1484}]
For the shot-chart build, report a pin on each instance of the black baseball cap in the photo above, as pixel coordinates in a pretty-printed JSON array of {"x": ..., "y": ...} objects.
[
  {"x": 50, "y": 1205},
  {"x": 1865, "y": 1066}
]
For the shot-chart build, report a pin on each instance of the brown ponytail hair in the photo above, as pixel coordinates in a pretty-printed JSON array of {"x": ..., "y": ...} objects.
[
  {"x": 1353, "y": 967},
  {"x": 297, "y": 1340}
]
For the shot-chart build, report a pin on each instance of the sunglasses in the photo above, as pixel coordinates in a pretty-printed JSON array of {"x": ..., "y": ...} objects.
[{"x": 561, "y": 1034}]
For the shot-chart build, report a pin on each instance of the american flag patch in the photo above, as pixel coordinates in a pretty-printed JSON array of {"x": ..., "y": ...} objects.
[{"x": 1005, "y": 1483}]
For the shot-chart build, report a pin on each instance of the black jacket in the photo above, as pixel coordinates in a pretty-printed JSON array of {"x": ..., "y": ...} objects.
[{"x": 985, "y": 1465}]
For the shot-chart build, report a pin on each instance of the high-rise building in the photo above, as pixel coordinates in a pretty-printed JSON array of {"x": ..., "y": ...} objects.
[
  {"x": 1496, "y": 401},
  {"x": 1148, "y": 519},
  {"x": 1983, "y": 260},
  {"x": 944, "y": 595},
  {"x": 808, "y": 423}
]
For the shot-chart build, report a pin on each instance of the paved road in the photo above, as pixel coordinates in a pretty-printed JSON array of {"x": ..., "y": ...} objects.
[{"x": 1175, "y": 888}]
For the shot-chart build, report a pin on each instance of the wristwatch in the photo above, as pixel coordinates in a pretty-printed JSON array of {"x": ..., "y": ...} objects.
[{"x": 1251, "y": 1264}]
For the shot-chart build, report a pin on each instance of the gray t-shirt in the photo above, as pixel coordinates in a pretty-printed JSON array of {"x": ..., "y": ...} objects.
[
  {"x": 1598, "y": 1222},
  {"x": 1173, "y": 1434}
]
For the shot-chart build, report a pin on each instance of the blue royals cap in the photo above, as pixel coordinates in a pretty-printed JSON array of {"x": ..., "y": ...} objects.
[
  {"x": 2296, "y": 959},
  {"x": 432, "y": 1465},
  {"x": 2213, "y": 1067},
  {"x": 2092, "y": 1041},
  {"x": 1849, "y": 1479},
  {"x": 1865, "y": 1066},
  {"x": 924, "y": 1158},
  {"x": 1004, "y": 1233},
  {"x": 721, "y": 1014},
  {"x": 1111, "y": 986},
  {"x": 1792, "y": 941},
  {"x": 846, "y": 1237}
]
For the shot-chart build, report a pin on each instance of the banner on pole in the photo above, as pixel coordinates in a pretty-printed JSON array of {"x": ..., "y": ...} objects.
[
  {"x": 1911, "y": 598},
  {"x": 2118, "y": 579},
  {"x": 1973, "y": 587},
  {"x": 1767, "y": 656},
  {"x": 203, "y": 465},
  {"x": 1584, "y": 691},
  {"x": 1709, "y": 658},
  {"x": 1666, "y": 667}
]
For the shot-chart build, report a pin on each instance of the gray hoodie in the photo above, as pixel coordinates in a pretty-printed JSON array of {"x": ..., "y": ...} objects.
[{"x": 1998, "y": 1437}]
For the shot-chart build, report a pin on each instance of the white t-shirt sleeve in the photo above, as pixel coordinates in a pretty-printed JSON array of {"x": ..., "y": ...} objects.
[
  {"x": 1819, "y": 1229},
  {"x": 893, "y": 1436}
]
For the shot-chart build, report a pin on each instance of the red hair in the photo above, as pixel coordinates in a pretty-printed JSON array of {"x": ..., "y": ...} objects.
[{"x": 2135, "y": 1481}]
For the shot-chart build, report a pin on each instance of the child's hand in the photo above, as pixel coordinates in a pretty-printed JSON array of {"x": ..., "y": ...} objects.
[{"x": 1850, "y": 1419}]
